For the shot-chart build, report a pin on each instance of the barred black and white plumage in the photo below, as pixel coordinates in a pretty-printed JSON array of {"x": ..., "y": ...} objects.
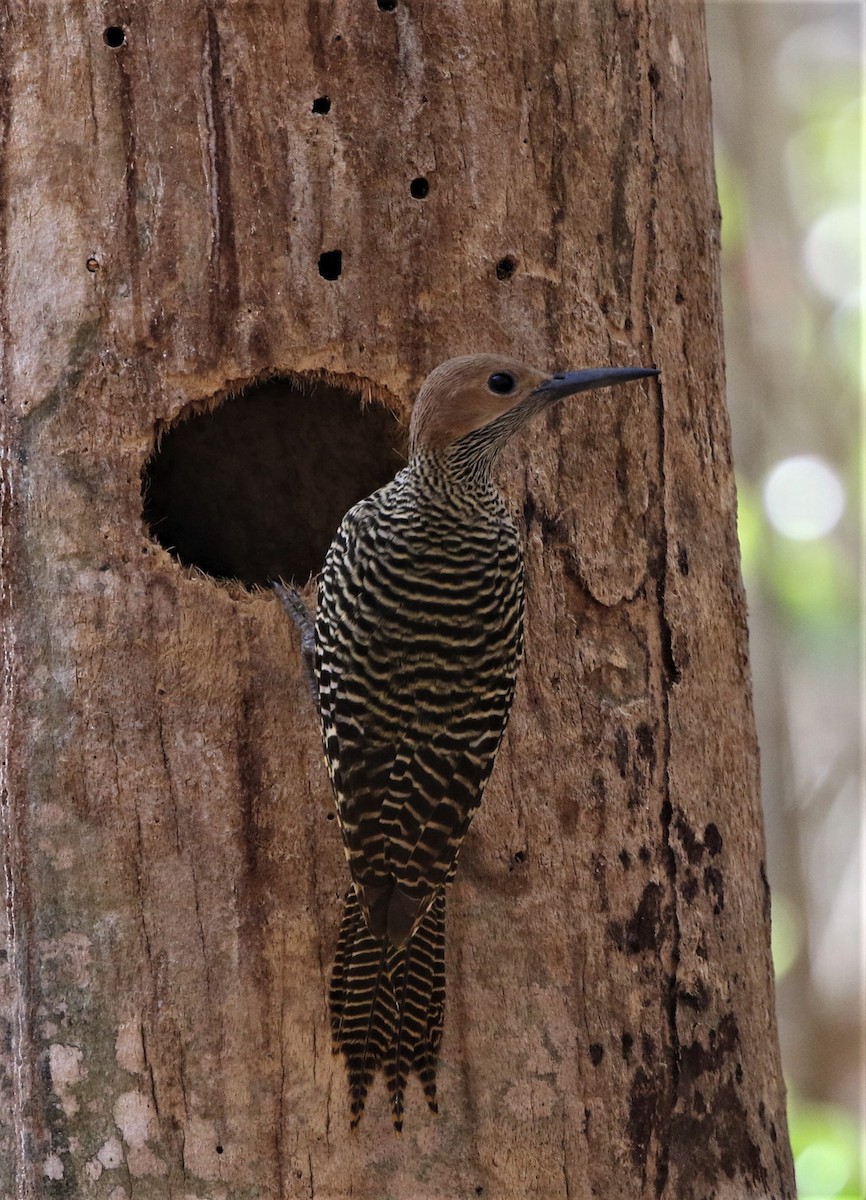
[{"x": 418, "y": 637}]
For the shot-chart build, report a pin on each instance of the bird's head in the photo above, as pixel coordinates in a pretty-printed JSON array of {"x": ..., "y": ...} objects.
[{"x": 490, "y": 396}]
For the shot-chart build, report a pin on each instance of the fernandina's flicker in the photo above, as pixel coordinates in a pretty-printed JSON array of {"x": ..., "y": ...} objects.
[{"x": 417, "y": 640}]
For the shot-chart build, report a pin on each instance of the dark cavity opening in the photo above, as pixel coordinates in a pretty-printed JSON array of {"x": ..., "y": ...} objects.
[
  {"x": 114, "y": 36},
  {"x": 331, "y": 264},
  {"x": 387, "y": 5},
  {"x": 506, "y": 267},
  {"x": 322, "y": 104},
  {"x": 254, "y": 489},
  {"x": 419, "y": 188}
]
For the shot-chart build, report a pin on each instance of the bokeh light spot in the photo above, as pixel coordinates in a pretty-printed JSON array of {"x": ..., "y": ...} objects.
[
  {"x": 804, "y": 497},
  {"x": 822, "y": 1170},
  {"x": 831, "y": 252},
  {"x": 826, "y": 1141}
]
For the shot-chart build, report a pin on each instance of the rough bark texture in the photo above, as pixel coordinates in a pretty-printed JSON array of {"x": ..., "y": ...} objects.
[{"x": 171, "y": 878}]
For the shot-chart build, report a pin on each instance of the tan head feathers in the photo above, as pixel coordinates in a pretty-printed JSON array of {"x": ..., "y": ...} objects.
[{"x": 465, "y": 394}]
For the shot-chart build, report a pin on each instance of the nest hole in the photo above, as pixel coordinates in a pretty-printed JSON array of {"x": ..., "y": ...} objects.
[
  {"x": 255, "y": 488},
  {"x": 331, "y": 264}
]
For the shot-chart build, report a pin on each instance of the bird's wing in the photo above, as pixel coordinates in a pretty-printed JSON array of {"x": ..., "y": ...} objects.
[
  {"x": 447, "y": 758},
  {"x": 359, "y": 747},
  {"x": 414, "y": 703}
]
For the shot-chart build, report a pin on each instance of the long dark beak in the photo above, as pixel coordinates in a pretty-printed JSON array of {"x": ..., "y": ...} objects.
[{"x": 570, "y": 382}]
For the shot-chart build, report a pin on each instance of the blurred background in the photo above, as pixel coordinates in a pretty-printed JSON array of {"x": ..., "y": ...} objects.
[{"x": 789, "y": 135}]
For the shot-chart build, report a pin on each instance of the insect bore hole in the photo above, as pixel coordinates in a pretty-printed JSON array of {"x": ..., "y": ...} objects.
[
  {"x": 505, "y": 268},
  {"x": 331, "y": 264}
]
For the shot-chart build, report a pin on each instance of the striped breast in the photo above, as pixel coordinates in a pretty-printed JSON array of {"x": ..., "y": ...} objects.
[{"x": 419, "y": 634}]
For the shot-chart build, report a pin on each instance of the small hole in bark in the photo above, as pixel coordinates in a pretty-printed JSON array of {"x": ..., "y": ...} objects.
[
  {"x": 321, "y": 104},
  {"x": 419, "y": 188},
  {"x": 387, "y": 5},
  {"x": 254, "y": 488},
  {"x": 330, "y": 816},
  {"x": 219, "y": 1149},
  {"x": 93, "y": 265},
  {"x": 114, "y": 37},
  {"x": 520, "y": 857},
  {"x": 505, "y": 268},
  {"x": 331, "y": 264}
]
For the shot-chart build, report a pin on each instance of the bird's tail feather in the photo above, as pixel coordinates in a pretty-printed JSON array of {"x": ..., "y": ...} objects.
[{"x": 388, "y": 1006}]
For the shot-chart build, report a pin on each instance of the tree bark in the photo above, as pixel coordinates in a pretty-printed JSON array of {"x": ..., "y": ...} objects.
[{"x": 172, "y": 881}]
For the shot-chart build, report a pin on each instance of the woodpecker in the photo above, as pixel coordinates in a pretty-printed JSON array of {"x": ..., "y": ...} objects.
[{"x": 414, "y": 657}]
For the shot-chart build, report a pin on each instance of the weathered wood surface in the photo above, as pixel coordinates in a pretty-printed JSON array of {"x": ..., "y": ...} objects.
[{"x": 171, "y": 878}]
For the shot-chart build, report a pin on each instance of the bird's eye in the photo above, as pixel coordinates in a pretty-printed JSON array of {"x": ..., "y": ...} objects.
[{"x": 502, "y": 383}]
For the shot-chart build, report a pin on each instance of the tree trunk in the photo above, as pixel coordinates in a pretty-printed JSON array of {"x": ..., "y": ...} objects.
[{"x": 172, "y": 880}]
